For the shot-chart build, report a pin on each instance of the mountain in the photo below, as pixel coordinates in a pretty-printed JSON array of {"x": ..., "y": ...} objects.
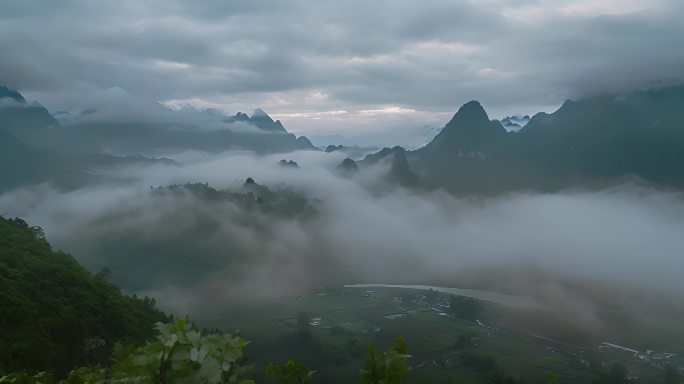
[
  {"x": 595, "y": 140},
  {"x": 115, "y": 122},
  {"x": 188, "y": 256},
  {"x": 259, "y": 119},
  {"x": 515, "y": 123},
  {"x": 6, "y": 93},
  {"x": 399, "y": 169},
  {"x": 181, "y": 130},
  {"x": 333, "y": 148},
  {"x": 353, "y": 151},
  {"x": 264, "y": 122},
  {"x": 36, "y": 148},
  {"x": 462, "y": 154},
  {"x": 21, "y": 164},
  {"x": 469, "y": 133},
  {"x": 56, "y": 314},
  {"x": 305, "y": 143},
  {"x": 348, "y": 166},
  {"x": 27, "y": 121}
]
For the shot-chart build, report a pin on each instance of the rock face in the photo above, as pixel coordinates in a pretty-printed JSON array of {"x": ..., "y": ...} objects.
[{"x": 592, "y": 141}]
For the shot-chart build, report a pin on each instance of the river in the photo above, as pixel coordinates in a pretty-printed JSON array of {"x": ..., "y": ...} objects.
[{"x": 511, "y": 301}]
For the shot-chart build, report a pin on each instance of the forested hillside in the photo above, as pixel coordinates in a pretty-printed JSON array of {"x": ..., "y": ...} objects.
[{"x": 55, "y": 313}]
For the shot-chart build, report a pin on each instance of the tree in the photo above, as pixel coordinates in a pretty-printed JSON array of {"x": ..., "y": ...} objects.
[
  {"x": 50, "y": 303},
  {"x": 400, "y": 345},
  {"x": 180, "y": 354},
  {"x": 26, "y": 378},
  {"x": 388, "y": 368},
  {"x": 291, "y": 372},
  {"x": 374, "y": 370}
]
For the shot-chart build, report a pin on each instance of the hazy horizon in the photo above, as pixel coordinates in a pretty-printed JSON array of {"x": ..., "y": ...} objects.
[{"x": 352, "y": 72}]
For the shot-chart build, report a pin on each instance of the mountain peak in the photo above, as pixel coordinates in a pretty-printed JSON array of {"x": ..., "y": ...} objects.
[
  {"x": 11, "y": 94},
  {"x": 260, "y": 114},
  {"x": 400, "y": 170},
  {"x": 241, "y": 116},
  {"x": 304, "y": 142},
  {"x": 470, "y": 129},
  {"x": 471, "y": 117},
  {"x": 470, "y": 112}
]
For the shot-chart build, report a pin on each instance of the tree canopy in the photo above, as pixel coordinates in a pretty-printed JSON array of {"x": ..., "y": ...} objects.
[{"x": 55, "y": 313}]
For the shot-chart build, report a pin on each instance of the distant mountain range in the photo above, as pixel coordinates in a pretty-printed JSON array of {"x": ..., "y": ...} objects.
[
  {"x": 595, "y": 141},
  {"x": 122, "y": 124},
  {"x": 36, "y": 147},
  {"x": 21, "y": 164},
  {"x": 514, "y": 123}
]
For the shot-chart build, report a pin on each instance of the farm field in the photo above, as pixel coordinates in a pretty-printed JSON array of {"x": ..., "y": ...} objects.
[{"x": 342, "y": 322}]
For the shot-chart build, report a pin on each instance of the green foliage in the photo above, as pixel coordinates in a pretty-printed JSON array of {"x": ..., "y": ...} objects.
[
  {"x": 465, "y": 307},
  {"x": 252, "y": 197},
  {"x": 56, "y": 314},
  {"x": 553, "y": 378},
  {"x": 400, "y": 345},
  {"x": 291, "y": 372},
  {"x": 182, "y": 355},
  {"x": 388, "y": 368},
  {"x": 26, "y": 378},
  {"x": 86, "y": 375},
  {"x": 179, "y": 354},
  {"x": 375, "y": 367}
]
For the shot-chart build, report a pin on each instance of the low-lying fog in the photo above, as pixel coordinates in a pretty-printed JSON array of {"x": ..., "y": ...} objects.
[{"x": 572, "y": 251}]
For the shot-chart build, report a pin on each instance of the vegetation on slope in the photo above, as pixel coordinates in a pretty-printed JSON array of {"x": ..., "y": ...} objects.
[{"x": 55, "y": 313}]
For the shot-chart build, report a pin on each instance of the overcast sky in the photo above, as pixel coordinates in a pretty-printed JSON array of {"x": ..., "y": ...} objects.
[{"x": 368, "y": 71}]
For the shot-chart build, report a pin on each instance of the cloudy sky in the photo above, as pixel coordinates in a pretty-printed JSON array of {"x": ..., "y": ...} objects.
[{"x": 356, "y": 71}]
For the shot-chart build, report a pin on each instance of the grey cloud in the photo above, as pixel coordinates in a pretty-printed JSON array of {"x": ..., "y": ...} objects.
[
  {"x": 430, "y": 56},
  {"x": 568, "y": 250}
]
